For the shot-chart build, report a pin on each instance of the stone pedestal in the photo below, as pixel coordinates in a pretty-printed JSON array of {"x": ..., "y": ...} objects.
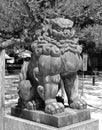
[
  {"x": 14, "y": 123},
  {"x": 67, "y": 118},
  {"x": 2, "y": 87}
]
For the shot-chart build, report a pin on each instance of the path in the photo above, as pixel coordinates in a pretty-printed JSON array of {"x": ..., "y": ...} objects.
[
  {"x": 11, "y": 96},
  {"x": 93, "y": 97}
]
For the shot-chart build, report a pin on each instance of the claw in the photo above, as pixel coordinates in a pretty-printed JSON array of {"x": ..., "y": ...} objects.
[
  {"x": 54, "y": 108},
  {"x": 79, "y": 104},
  {"x": 31, "y": 105}
]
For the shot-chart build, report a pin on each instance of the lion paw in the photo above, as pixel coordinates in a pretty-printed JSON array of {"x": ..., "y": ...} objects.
[
  {"x": 54, "y": 108},
  {"x": 31, "y": 105},
  {"x": 78, "y": 104}
]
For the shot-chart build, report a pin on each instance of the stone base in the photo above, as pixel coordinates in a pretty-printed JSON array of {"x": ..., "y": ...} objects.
[
  {"x": 14, "y": 123},
  {"x": 68, "y": 117}
]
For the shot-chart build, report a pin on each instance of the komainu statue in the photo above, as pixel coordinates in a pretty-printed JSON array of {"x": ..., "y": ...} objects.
[{"x": 55, "y": 61}]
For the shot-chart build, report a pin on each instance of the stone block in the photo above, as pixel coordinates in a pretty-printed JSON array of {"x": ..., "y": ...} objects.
[
  {"x": 15, "y": 123},
  {"x": 68, "y": 117}
]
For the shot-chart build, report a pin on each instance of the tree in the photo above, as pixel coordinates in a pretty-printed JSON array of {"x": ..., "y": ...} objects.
[{"x": 22, "y": 19}]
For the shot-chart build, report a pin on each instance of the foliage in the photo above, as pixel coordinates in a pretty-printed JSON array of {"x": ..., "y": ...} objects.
[{"x": 23, "y": 18}]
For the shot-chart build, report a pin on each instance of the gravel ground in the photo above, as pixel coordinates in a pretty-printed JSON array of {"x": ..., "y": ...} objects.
[{"x": 92, "y": 94}]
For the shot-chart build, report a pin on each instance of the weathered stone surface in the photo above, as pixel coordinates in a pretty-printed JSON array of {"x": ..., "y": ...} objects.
[
  {"x": 54, "y": 63},
  {"x": 14, "y": 123},
  {"x": 68, "y": 117},
  {"x": 2, "y": 73}
]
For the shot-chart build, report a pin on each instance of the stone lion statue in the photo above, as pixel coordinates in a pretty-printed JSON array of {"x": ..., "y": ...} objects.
[{"x": 55, "y": 61}]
